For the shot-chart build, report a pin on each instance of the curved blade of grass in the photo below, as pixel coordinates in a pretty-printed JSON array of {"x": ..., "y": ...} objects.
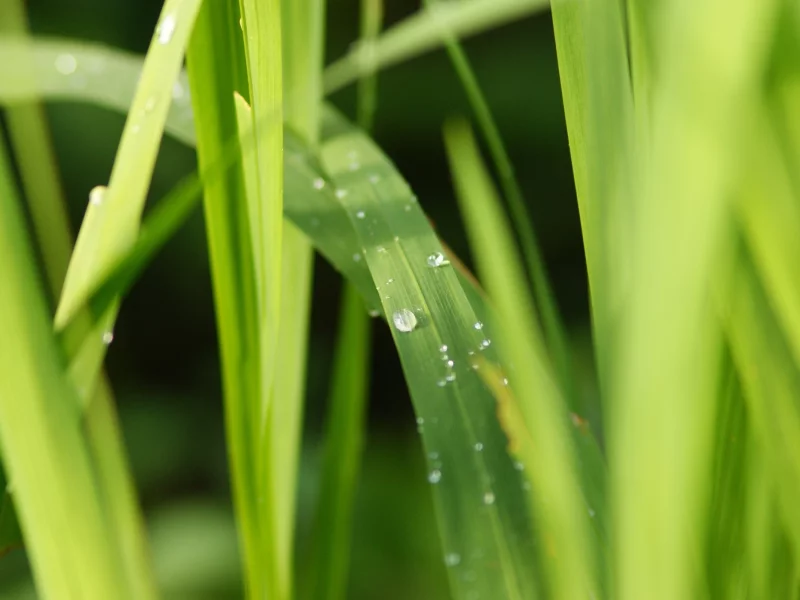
[
  {"x": 546, "y": 447},
  {"x": 478, "y": 493},
  {"x": 422, "y": 32},
  {"x": 344, "y": 441},
  {"x": 546, "y": 307}
]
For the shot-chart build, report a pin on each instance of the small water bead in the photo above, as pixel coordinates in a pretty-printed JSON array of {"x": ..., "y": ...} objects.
[
  {"x": 478, "y": 447},
  {"x": 354, "y": 166},
  {"x": 108, "y": 337},
  {"x": 450, "y": 363},
  {"x": 166, "y": 29},
  {"x": 443, "y": 348},
  {"x": 519, "y": 466},
  {"x": 591, "y": 513},
  {"x": 178, "y": 93},
  {"x": 445, "y": 357},
  {"x": 441, "y": 383},
  {"x": 488, "y": 498},
  {"x": 97, "y": 194},
  {"x": 319, "y": 183},
  {"x": 389, "y": 281},
  {"x": 374, "y": 178},
  {"x": 450, "y": 377},
  {"x": 433, "y": 455},
  {"x": 437, "y": 259},
  {"x": 341, "y": 194},
  {"x": 478, "y": 325},
  {"x": 66, "y": 64},
  {"x": 408, "y": 207},
  {"x": 150, "y": 104},
  {"x": 486, "y": 343},
  {"x": 381, "y": 250},
  {"x": 361, "y": 214},
  {"x": 452, "y": 559},
  {"x": 420, "y": 421},
  {"x": 374, "y": 313},
  {"x": 505, "y": 380},
  {"x": 435, "y": 476},
  {"x": 357, "y": 257},
  {"x": 404, "y": 320}
]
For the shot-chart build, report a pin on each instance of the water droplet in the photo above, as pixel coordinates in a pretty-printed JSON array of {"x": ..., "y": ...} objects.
[
  {"x": 519, "y": 466},
  {"x": 433, "y": 455},
  {"x": 319, "y": 183},
  {"x": 404, "y": 320},
  {"x": 420, "y": 421},
  {"x": 452, "y": 559},
  {"x": 488, "y": 498},
  {"x": 150, "y": 104},
  {"x": 450, "y": 377},
  {"x": 177, "y": 91},
  {"x": 66, "y": 64},
  {"x": 505, "y": 380},
  {"x": 486, "y": 343},
  {"x": 408, "y": 208},
  {"x": 108, "y": 337},
  {"x": 390, "y": 280},
  {"x": 361, "y": 214},
  {"x": 445, "y": 357},
  {"x": 478, "y": 325},
  {"x": 354, "y": 166},
  {"x": 441, "y": 383},
  {"x": 341, "y": 194},
  {"x": 97, "y": 194},
  {"x": 437, "y": 259},
  {"x": 591, "y": 513},
  {"x": 478, "y": 447},
  {"x": 357, "y": 257},
  {"x": 374, "y": 313},
  {"x": 443, "y": 348},
  {"x": 374, "y": 178},
  {"x": 381, "y": 250},
  {"x": 166, "y": 29},
  {"x": 435, "y": 476},
  {"x": 450, "y": 363},
  {"x": 135, "y": 128}
]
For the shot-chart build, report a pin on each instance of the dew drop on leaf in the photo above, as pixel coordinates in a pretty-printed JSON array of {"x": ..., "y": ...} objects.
[
  {"x": 435, "y": 476},
  {"x": 166, "y": 29}
]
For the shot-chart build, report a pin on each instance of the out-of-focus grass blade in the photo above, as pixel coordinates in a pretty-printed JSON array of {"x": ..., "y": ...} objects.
[
  {"x": 546, "y": 307},
  {"x": 478, "y": 493},
  {"x": 771, "y": 381},
  {"x": 344, "y": 441},
  {"x": 551, "y": 459},
  {"x": 30, "y": 142},
  {"x": 662, "y": 451},
  {"x": 422, "y": 32},
  {"x": 43, "y": 446},
  {"x": 10, "y": 535}
]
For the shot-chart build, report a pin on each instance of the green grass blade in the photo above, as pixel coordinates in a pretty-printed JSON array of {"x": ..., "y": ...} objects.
[
  {"x": 545, "y": 302},
  {"x": 371, "y": 23},
  {"x": 663, "y": 448},
  {"x": 478, "y": 492},
  {"x": 344, "y": 442},
  {"x": 215, "y": 61},
  {"x": 550, "y": 457},
  {"x": 422, "y": 32},
  {"x": 44, "y": 451}
]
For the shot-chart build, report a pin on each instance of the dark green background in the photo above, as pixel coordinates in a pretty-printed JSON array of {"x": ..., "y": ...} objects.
[{"x": 163, "y": 362}]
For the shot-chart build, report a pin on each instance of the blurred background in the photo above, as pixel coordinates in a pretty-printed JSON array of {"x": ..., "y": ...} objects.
[{"x": 164, "y": 365}]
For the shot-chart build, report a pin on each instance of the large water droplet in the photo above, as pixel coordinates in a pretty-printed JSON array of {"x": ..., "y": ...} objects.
[
  {"x": 437, "y": 259},
  {"x": 488, "y": 498},
  {"x": 404, "y": 320},
  {"x": 166, "y": 29},
  {"x": 97, "y": 194},
  {"x": 435, "y": 476},
  {"x": 66, "y": 64},
  {"x": 452, "y": 559}
]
